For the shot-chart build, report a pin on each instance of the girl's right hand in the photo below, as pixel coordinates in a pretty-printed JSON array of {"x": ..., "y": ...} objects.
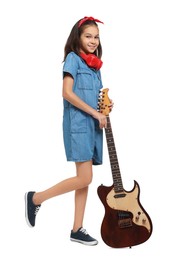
[{"x": 101, "y": 119}]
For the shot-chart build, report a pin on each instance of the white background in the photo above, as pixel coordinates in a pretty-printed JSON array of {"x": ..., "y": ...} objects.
[{"x": 139, "y": 63}]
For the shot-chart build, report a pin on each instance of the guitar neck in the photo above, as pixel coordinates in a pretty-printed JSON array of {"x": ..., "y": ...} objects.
[{"x": 117, "y": 180}]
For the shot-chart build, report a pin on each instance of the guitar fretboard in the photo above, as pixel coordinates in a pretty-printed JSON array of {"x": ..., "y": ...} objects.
[{"x": 118, "y": 185}]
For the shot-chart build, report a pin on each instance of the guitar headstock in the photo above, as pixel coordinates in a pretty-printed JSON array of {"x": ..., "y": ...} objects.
[{"x": 104, "y": 102}]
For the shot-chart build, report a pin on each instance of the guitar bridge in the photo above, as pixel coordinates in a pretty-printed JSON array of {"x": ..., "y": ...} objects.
[{"x": 125, "y": 223}]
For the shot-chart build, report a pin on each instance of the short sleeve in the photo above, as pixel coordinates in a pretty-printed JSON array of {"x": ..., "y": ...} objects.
[{"x": 71, "y": 64}]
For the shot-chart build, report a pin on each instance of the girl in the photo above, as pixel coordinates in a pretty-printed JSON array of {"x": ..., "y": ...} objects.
[{"x": 82, "y": 123}]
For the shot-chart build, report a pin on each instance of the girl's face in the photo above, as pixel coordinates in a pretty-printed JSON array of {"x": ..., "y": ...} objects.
[{"x": 89, "y": 39}]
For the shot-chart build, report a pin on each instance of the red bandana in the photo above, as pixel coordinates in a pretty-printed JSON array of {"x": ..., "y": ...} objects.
[{"x": 86, "y": 18}]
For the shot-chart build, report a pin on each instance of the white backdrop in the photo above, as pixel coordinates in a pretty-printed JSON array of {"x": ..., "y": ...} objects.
[{"x": 139, "y": 63}]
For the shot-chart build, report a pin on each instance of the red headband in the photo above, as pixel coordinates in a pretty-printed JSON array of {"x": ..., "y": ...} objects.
[{"x": 88, "y": 19}]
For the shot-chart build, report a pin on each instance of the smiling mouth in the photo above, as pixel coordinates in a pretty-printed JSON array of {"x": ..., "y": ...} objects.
[{"x": 92, "y": 47}]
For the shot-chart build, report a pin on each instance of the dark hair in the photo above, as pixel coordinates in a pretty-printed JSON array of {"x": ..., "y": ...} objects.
[{"x": 73, "y": 41}]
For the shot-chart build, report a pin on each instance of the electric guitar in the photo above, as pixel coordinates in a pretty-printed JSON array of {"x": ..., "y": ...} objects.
[{"x": 125, "y": 222}]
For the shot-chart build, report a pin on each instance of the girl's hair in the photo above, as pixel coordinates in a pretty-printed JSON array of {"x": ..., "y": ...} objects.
[{"x": 73, "y": 41}]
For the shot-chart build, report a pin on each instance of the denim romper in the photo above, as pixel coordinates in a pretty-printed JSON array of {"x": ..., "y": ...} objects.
[{"x": 83, "y": 139}]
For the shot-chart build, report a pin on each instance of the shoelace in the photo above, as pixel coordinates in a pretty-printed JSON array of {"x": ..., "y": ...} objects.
[
  {"x": 84, "y": 231},
  {"x": 37, "y": 209}
]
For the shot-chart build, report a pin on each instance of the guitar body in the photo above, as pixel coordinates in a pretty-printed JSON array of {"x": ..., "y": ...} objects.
[{"x": 125, "y": 222}]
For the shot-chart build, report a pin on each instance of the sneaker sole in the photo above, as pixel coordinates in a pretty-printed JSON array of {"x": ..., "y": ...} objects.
[
  {"x": 91, "y": 243},
  {"x": 26, "y": 210}
]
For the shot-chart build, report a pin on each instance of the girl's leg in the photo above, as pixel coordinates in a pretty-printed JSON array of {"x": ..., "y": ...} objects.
[
  {"x": 84, "y": 171},
  {"x": 75, "y": 183}
]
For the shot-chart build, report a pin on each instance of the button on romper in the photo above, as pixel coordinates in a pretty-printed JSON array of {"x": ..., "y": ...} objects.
[{"x": 83, "y": 139}]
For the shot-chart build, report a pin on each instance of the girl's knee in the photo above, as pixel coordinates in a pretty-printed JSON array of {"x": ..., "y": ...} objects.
[
  {"x": 89, "y": 180},
  {"x": 86, "y": 181}
]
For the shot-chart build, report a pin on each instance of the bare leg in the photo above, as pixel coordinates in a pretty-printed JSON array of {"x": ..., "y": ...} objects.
[
  {"x": 85, "y": 171},
  {"x": 75, "y": 183}
]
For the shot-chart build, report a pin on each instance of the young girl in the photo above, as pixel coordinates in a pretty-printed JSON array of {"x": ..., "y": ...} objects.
[{"x": 82, "y": 123}]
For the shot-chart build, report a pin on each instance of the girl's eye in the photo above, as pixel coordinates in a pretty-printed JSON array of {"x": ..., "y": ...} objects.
[{"x": 89, "y": 37}]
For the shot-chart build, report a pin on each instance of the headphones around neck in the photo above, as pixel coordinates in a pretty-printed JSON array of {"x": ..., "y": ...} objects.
[{"x": 92, "y": 60}]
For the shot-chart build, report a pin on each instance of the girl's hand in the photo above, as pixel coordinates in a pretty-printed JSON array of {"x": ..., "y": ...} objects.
[{"x": 101, "y": 119}]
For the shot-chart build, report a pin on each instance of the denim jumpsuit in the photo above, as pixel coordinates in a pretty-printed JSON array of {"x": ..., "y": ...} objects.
[{"x": 83, "y": 139}]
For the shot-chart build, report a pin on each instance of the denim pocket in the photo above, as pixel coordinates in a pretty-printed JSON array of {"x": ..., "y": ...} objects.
[
  {"x": 78, "y": 120},
  {"x": 84, "y": 79}
]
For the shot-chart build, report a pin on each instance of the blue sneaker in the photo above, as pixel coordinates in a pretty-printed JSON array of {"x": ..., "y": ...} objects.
[
  {"x": 30, "y": 209},
  {"x": 83, "y": 237}
]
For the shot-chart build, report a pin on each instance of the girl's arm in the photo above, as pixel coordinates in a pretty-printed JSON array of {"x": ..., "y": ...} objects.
[{"x": 71, "y": 97}]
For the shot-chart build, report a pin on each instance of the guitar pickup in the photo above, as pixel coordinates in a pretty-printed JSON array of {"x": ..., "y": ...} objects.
[
  {"x": 121, "y": 195},
  {"x": 125, "y": 223}
]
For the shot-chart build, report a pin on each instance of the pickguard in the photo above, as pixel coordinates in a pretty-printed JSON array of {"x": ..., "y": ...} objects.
[{"x": 129, "y": 201}]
